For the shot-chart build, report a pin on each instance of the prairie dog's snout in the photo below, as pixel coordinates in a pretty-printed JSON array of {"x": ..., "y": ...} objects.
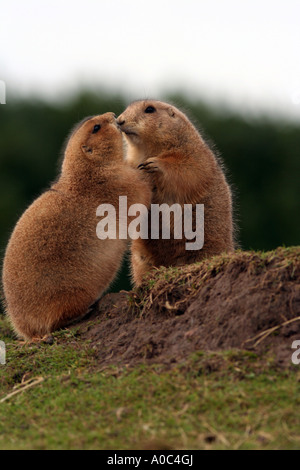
[
  {"x": 112, "y": 117},
  {"x": 120, "y": 121}
]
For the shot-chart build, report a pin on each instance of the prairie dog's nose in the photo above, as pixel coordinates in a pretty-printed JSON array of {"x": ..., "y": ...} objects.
[
  {"x": 109, "y": 117},
  {"x": 112, "y": 117},
  {"x": 121, "y": 120}
]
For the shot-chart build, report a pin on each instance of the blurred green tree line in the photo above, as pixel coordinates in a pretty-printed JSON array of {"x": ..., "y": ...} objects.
[{"x": 261, "y": 156}]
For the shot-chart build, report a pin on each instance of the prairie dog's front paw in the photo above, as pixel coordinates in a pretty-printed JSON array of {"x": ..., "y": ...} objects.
[{"x": 149, "y": 166}]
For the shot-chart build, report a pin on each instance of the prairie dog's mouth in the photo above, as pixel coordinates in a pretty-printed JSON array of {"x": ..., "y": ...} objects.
[
  {"x": 127, "y": 129},
  {"x": 129, "y": 132}
]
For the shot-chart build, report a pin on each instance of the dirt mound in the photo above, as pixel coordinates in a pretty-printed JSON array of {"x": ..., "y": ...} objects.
[{"x": 247, "y": 300}]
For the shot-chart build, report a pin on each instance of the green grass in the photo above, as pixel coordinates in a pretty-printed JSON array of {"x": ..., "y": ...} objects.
[{"x": 232, "y": 400}]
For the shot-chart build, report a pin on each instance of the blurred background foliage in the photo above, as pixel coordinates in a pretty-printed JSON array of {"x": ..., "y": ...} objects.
[{"x": 261, "y": 155}]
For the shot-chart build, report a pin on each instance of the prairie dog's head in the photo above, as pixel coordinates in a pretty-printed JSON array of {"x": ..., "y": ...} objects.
[
  {"x": 97, "y": 140},
  {"x": 152, "y": 127}
]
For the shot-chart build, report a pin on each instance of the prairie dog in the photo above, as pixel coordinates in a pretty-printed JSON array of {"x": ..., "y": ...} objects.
[
  {"x": 55, "y": 267},
  {"x": 182, "y": 169}
]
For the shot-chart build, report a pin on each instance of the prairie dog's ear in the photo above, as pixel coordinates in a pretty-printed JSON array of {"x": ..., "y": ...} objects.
[
  {"x": 86, "y": 149},
  {"x": 171, "y": 112}
]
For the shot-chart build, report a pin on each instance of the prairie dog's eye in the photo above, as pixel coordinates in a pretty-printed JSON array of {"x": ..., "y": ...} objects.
[
  {"x": 150, "y": 109},
  {"x": 97, "y": 128}
]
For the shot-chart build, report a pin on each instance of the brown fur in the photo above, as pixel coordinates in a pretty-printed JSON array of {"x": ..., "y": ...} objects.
[
  {"x": 55, "y": 267},
  {"x": 182, "y": 169}
]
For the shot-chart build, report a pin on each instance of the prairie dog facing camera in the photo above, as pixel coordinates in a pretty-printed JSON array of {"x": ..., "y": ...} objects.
[
  {"x": 55, "y": 267},
  {"x": 164, "y": 144}
]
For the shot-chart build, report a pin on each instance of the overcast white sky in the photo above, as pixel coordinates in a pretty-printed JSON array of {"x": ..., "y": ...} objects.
[{"x": 246, "y": 53}]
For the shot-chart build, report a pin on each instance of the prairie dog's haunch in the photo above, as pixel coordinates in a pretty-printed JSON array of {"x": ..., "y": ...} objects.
[
  {"x": 182, "y": 169},
  {"x": 55, "y": 267}
]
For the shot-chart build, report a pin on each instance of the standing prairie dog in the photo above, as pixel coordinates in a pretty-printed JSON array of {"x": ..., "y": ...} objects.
[
  {"x": 182, "y": 169},
  {"x": 55, "y": 267}
]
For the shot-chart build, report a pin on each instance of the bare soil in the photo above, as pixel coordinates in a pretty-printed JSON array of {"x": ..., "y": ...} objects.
[{"x": 246, "y": 301}]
